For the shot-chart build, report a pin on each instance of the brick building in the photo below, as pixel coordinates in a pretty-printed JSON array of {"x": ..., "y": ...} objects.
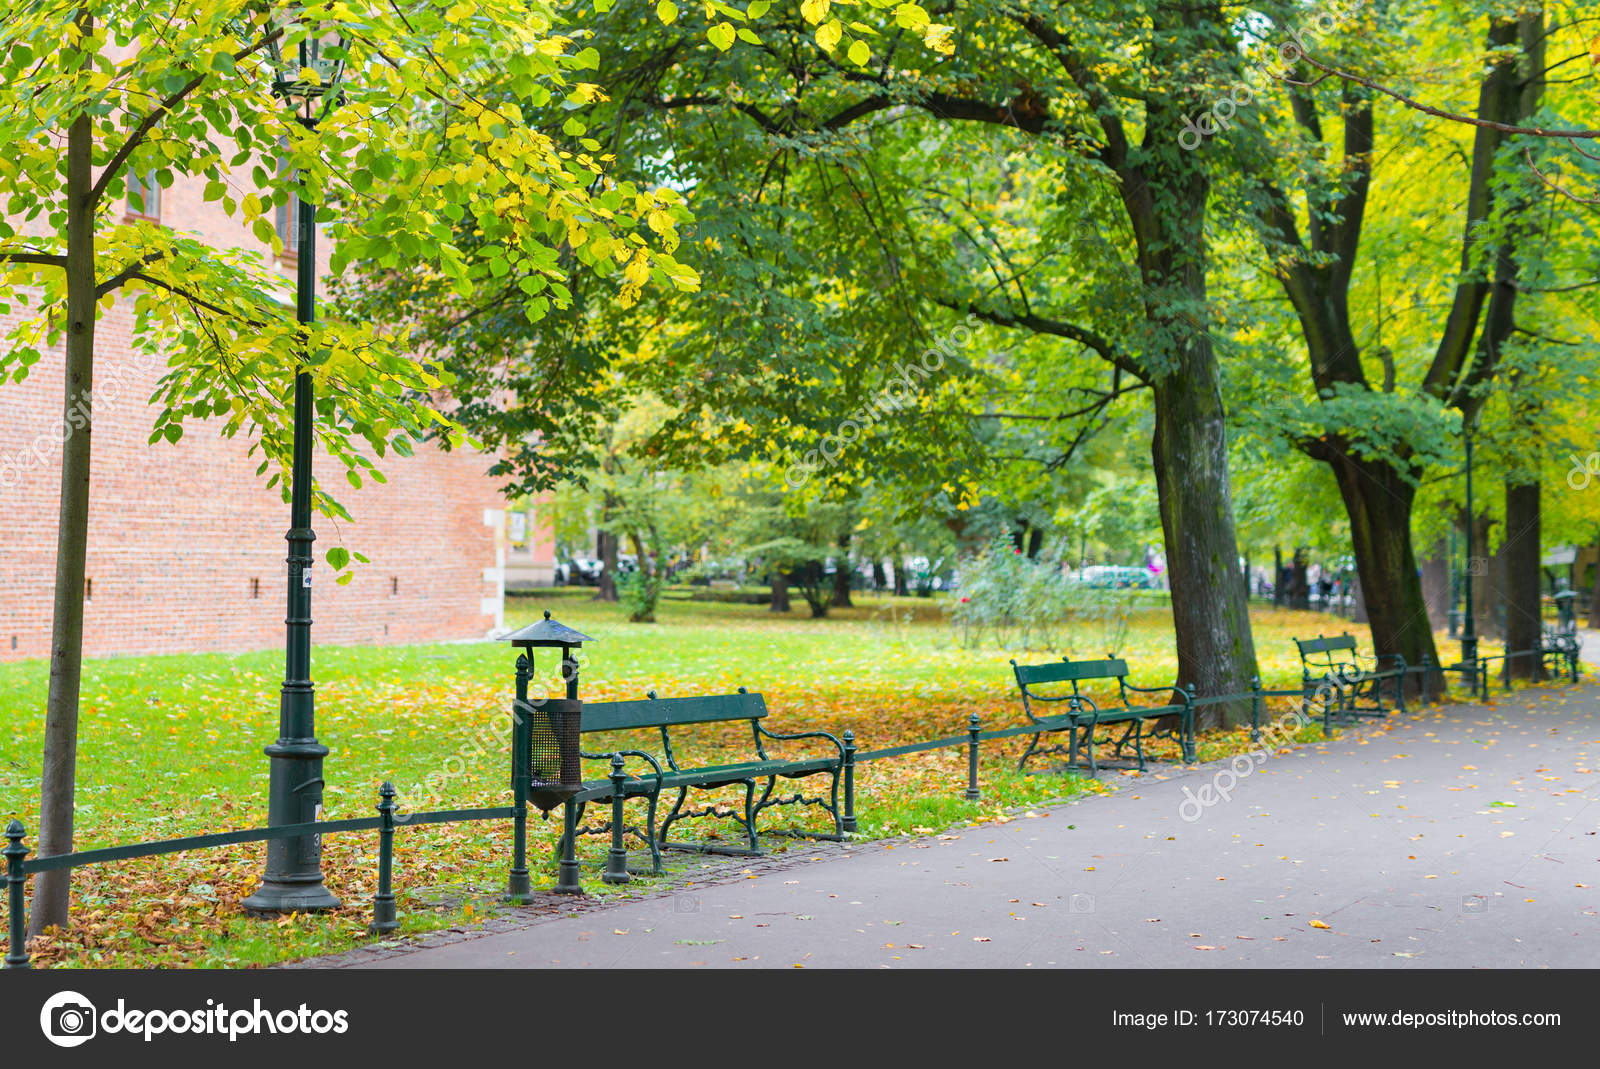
[{"x": 186, "y": 543}]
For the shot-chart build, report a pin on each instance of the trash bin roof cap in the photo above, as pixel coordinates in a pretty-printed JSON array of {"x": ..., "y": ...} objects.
[{"x": 547, "y": 632}]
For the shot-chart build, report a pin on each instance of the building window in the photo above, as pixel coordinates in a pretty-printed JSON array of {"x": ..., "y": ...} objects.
[
  {"x": 255, "y": 588},
  {"x": 144, "y": 197}
]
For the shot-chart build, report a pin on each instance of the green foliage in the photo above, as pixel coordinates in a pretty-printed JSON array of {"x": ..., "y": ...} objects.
[
  {"x": 407, "y": 151},
  {"x": 638, "y": 592}
]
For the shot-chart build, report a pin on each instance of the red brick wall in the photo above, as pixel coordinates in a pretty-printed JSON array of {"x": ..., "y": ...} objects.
[{"x": 181, "y": 533}]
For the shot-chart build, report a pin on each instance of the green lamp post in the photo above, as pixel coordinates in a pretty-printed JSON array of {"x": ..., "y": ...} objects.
[
  {"x": 293, "y": 877},
  {"x": 1469, "y": 626}
]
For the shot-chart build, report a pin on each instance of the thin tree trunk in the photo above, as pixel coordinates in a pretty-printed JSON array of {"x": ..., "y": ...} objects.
[
  {"x": 780, "y": 591},
  {"x": 880, "y": 578},
  {"x": 608, "y": 568},
  {"x": 903, "y": 589},
  {"x": 1524, "y": 622},
  {"x": 51, "y": 890},
  {"x": 841, "y": 574}
]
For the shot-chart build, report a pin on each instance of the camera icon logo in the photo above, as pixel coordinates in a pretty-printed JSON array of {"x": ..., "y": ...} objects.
[
  {"x": 68, "y": 1019},
  {"x": 685, "y": 903},
  {"x": 1474, "y": 904},
  {"x": 1080, "y": 903}
]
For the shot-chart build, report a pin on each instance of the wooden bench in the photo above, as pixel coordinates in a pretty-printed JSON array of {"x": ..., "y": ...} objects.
[
  {"x": 1353, "y": 691},
  {"x": 1083, "y": 715},
  {"x": 760, "y": 768}
]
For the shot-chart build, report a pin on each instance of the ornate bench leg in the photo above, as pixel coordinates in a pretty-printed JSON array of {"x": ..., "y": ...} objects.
[
  {"x": 750, "y": 810},
  {"x": 672, "y": 815},
  {"x": 650, "y": 833}
]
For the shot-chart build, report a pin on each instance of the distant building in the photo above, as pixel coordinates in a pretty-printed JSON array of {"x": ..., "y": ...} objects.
[{"x": 186, "y": 543}]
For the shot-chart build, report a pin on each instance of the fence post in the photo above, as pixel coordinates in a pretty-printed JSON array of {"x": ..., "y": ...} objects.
[
  {"x": 16, "y": 880},
  {"x": 519, "y": 882},
  {"x": 1427, "y": 680},
  {"x": 1255, "y": 709},
  {"x": 973, "y": 726},
  {"x": 616, "y": 870},
  {"x": 847, "y": 822},
  {"x": 1399, "y": 686},
  {"x": 383, "y": 914}
]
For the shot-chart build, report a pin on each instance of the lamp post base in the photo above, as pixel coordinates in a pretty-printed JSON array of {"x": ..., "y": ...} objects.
[{"x": 288, "y": 896}]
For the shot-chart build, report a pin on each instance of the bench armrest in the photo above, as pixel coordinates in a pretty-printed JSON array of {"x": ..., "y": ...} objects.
[
  {"x": 626, "y": 753},
  {"x": 802, "y": 735}
]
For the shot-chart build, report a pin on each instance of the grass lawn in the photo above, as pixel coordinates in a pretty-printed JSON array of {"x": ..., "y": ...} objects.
[{"x": 171, "y": 746}]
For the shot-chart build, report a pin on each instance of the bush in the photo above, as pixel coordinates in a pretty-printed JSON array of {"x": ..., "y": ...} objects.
[
  {"x": 638, "y": 596},
  {"x": 1029, "y": 603}
]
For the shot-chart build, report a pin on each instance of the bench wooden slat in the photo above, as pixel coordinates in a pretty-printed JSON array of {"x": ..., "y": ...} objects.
[
  {"x": 1326, "y": 645},
  {"x": 669, "y": 712},
  {"x": 1069, "y": 671}
]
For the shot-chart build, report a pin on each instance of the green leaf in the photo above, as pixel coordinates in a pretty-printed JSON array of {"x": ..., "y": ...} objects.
[
  {"x": 722, "y": 35},
  {"x": 667, "y": 12},
  {"x": 338, "y": 557}
]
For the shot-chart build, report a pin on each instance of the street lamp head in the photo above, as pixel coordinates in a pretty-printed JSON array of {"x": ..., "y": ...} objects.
[
  {"x": 307, "y": 57},
  {"x": 547, "y": 633}
]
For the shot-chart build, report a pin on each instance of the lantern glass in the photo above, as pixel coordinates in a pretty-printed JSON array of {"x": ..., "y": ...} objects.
[{"x": 307, "y": 57}]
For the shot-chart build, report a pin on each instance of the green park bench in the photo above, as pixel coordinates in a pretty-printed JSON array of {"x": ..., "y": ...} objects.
[
  {"x": 759, "y": 768},
  {"x": 1330, "y": 665},
  {"x": 1083, "y": 716}
]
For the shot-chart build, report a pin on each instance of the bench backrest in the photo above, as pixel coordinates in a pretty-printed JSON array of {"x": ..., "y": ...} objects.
[
  {"x": 656, "y": 712},
  {"x": 1311, "y": 646},
  {"x": 1069, "y": 671}
]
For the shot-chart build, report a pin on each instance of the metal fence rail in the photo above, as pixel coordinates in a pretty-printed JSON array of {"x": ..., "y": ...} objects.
[{"x": 18, "y": 867}]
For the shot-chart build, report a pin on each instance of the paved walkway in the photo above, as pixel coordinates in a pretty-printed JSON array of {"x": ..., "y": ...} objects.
[{"x": 1459, "y": 837}]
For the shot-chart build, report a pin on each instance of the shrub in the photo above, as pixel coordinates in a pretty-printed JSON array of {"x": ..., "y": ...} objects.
[{"x": 1027, "y": 603}]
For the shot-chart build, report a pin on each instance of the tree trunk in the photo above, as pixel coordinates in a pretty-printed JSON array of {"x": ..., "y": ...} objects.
[
  {"x": 841, "y": 574},
  {"x": 1216, "y": 653},
  {"x": 1436, "y": 585},
  {"x": 51, "y": 890},
  {"x": 780, "y": 592},
  {"x": 901, "y": 587},
  {"x": 608, "y": 568},
  {"x": 1299, "y": 581},
  {"x": 1378, "y": 500},
  {"x": 880, "y": 578},
  {"x": 1279, "y": 581},
  {"x": 1524, "y": 618}
]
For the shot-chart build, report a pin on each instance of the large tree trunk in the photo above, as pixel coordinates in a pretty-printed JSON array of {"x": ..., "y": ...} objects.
[
  {"x": 1524, "y": 623},
  {"x": 880, "y": 578},
  {"x": 1378, "y": 500},
  {"x": 1216, "y": 653},
  {"x": 51, "y": 890}
]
